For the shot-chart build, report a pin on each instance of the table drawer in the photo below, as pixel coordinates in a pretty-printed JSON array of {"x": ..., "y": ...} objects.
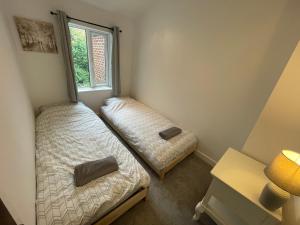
[{"x": 245, "y": 209}]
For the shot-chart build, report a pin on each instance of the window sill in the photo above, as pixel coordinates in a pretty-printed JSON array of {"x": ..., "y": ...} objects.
[{"x": 95, "y": 89}]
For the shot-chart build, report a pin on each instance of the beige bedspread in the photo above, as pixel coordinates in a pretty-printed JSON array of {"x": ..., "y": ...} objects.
[
  {"x": 140, "y": 126},
  {"x": 69, "y": 135}
]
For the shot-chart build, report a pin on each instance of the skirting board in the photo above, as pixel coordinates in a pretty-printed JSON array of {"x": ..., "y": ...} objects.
[{"x": 205, "y": 158}]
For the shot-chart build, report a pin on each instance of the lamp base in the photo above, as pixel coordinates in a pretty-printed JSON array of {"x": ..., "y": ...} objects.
[{"x": 273, "y": 197}]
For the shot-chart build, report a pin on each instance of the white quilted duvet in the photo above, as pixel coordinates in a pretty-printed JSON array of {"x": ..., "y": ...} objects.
[
  {"x": 69, "y": 135},
  {"x": 140, "y": 126}
]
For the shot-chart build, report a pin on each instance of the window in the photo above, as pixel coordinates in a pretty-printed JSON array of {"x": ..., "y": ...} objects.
[{"x": 91, "y": 51}]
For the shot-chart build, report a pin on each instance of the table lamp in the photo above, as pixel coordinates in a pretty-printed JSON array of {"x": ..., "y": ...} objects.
[{"x": 284, "y": 173}]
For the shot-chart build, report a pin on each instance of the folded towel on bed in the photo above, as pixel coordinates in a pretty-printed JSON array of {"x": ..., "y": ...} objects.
[
  {"x": 169, "y": 133},
  {"x": 86, "y": 172}
]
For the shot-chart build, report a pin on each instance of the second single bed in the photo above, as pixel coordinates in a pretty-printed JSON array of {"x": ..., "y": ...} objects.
[{"x": 140, "y": 125}]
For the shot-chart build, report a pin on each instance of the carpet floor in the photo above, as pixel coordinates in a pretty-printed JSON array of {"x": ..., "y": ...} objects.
[{"x": 172, "y": 201}]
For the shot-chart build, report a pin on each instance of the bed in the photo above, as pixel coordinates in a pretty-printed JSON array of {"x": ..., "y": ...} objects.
[
  {"x": 139, "y": 126},
  {"x": 68, "y": 135}
]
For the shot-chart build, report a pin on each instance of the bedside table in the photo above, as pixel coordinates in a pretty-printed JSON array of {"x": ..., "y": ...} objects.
[{"x": 232, "y": 198}]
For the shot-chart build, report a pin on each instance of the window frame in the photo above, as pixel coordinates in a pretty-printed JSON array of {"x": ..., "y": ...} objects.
[{"x": 89, "y": 30}]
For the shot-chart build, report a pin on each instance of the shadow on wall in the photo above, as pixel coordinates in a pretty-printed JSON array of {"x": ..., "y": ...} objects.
[
  {"x": 278, "y": 47},
  {"x": 17, "y": 172},
  {"x": 278, "y": 126}
]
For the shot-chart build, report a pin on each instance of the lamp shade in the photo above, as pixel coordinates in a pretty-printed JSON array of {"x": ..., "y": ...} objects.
[{"x": 284, "y": 171}]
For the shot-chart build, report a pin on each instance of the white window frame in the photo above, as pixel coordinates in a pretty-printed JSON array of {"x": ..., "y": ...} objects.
[{"x": 89, "y": 29}]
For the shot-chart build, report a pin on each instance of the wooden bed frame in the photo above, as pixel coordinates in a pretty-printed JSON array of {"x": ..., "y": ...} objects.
[
  {"x": 161, "y": 173},
  {"x": 176, "y": 161},
  {"x": 124, "y": 207}
]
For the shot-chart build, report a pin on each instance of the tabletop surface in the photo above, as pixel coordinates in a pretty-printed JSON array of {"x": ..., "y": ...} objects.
[{"x": 245, "y": 175}]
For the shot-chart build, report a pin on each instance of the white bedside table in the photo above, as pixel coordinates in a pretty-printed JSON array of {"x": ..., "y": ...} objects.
[{"x": 232, "y": 198}]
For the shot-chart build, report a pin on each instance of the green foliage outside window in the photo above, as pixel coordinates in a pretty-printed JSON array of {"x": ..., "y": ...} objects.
[{"x": 80, "y": 57}]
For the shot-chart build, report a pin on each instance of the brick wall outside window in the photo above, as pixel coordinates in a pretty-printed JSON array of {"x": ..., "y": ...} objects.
[{"x": 98, "y": 50}]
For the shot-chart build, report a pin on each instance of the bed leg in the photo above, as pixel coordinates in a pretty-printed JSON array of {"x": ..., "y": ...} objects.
[
  {"x": 162, "y": 176},
  {"x": 147, "y": 195},
  {"x": 146, "y": 198}
]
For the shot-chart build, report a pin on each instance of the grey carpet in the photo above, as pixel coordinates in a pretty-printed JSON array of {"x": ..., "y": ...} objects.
[{"x": 172, "y": 201}]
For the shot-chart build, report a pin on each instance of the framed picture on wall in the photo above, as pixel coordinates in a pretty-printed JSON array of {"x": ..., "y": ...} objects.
[{"x": 36, "y": 36}]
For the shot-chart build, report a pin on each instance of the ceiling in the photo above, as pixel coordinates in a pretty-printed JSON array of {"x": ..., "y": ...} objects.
[{"x": 130, "y": 8}]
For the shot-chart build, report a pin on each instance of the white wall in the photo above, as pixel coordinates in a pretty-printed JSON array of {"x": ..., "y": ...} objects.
[
  {"x": 45, "y": 73},
  {"x": 278, "y": 126},
  {"x": 17, "y": 172},
  {"x": 210, "y": 65}
]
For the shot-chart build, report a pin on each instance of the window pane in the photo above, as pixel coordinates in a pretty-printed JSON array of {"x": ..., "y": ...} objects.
[
  {"x": 80, "y": 57},
  {"x": 99, "y": 57}
]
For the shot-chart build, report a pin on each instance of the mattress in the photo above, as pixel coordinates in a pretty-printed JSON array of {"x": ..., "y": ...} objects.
[
  {"x": 139, "y": 125},
  {"x": 69, "y": 135}
]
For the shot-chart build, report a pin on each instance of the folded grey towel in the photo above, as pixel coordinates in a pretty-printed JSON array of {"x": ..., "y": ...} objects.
[
  {"x": 86, "y": 172},
  {"x": 169, "y": 133}
]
